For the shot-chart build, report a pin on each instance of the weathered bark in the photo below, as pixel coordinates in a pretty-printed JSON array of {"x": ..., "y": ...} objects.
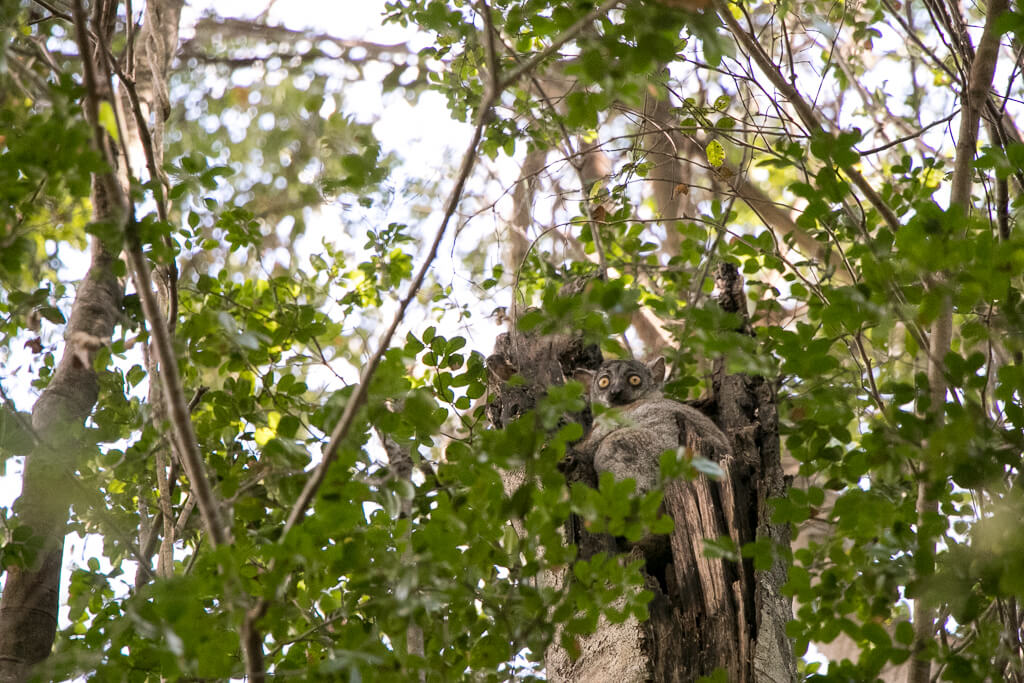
[
  {"x": 707, "y": 613},
  {"x": 701, "y": 615},
  {"x": 747, "y": 410},
  {"x": 29, "y": 604},
  {"x": 28, "y": 607},
  {"x": 542, "y": 360}
]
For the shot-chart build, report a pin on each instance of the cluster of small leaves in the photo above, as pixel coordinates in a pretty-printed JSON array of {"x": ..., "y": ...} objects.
[
  {"x": 857, "y": 418},
  {"x": 281, "y": 128},
  {"x": 440, "y": 550},
  {"x": 616, "y": 55},
  {"x": 45, "y": 178},
  {"x": 387, "y": 268}
]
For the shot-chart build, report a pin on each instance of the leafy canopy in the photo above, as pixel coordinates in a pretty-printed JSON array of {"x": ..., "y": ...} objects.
[{"x": 297, "y": 225}]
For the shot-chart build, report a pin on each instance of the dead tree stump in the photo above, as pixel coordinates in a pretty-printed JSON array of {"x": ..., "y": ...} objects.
[{"x": 708, "y": 613}]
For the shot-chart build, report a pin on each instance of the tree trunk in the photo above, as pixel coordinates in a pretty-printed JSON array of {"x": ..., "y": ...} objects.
[
  {"x": 29, "y": 604},
  {"x": 28, "y": 607},
  {"x": 708, "y": 613}
]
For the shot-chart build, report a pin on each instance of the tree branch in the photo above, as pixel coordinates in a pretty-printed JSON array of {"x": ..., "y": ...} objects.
[
  {"x": 358, "y": 398},
  {"x": 803, "y": 109},
  {"x": 174, "y": 396},
  {"x": 188, "y": 447},
  {"x": 558, "y": 42},
  {"x": 973, "y": 99},
  {"x": 976, "y": 93},
  {"x": 355, "y": 402},
  {"x": 29, "y": 601}
]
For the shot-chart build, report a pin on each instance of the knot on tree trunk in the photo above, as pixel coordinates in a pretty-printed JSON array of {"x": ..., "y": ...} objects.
[{"x": 712, "y": 610}]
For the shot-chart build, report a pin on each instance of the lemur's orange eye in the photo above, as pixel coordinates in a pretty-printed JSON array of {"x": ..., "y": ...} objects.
[
  {"x": 635, "y": 380},
  {"x": 603, "y": 382}
]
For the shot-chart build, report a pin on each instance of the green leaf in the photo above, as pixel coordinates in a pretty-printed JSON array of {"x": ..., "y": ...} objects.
[
  {"x": 715, "y": 153},
  {"x": 707, "y": 467},
  {"x": 721, "y": 548},
  {"x": 904, "y": 633},
  {"x": 52, "y": 314},
  {"x": 108, "y": 121}
]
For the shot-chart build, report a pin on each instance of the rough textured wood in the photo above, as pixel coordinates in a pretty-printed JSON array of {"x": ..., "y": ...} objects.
[
  {"x": 708, "y": 614},
  {"x": 29, "y": 604},
  {"x": 614, "y": 652},
  {"x": 746, "y": 409},
  {"x": 543, "y": 360},
  {"x": 701, "y": 616},
  {"x": 28, "y": 607}
]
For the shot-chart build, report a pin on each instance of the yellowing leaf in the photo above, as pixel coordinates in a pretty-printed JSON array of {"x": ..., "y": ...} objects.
[
  {"x": 109, "y": 121},
  {"x": 263, "y": 435},
  {"x": 715, "y": 153}
]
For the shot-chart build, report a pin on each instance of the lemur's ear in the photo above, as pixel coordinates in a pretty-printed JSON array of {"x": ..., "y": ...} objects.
[
  {"x": 584, "y": 377},
  {"x": 657, "y": 368}
]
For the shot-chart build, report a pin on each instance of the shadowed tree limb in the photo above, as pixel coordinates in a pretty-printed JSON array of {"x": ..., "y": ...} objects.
[
  {"x": 358, "y": 398},
  {"x": 803, "y": 109},
  {"x": 28, "y": 606},
  {"x": 982, "y": 70}
]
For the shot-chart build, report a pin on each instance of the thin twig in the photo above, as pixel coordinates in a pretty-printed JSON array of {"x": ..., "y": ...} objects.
[
  {"x": 107, "y": 180},
  {"x": 55, "y": 11},
  {"x": 489, "y": 53},
  {"x": 129, "y": 25},
  {"x": 911, "y": 136},
  {"x": 172, "y": 478}
]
